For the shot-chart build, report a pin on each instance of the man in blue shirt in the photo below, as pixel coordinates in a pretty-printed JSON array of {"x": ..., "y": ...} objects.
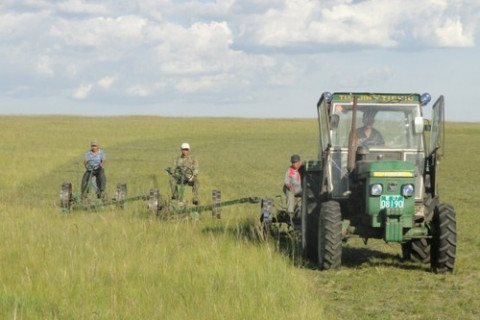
[{"x": 94, "y": 162}]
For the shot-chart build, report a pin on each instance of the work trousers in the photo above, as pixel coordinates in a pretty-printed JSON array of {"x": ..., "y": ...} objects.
[{"x": 101, "y": 181}]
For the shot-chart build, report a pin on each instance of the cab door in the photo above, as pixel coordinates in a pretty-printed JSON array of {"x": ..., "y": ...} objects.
[
  {"x": 436, "y": 150},
  {"x": 324, "y": 126},
  {"x": 438, "y": 129},
  {"x": 325, "y": 142}
]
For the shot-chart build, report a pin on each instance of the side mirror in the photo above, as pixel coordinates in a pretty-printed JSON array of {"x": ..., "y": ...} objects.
[
  {"x": 418, "y": 125},
  {"x": 334, "y": 120}
]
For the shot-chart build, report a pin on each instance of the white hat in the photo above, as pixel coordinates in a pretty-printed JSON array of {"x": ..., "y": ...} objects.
[{"x": 185, "y": 146}]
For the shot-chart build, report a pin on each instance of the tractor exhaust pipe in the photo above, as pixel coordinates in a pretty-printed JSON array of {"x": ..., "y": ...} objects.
[{"x": 352, "y": 138}]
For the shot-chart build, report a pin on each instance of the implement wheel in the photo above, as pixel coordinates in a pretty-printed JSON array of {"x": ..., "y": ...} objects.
[
  {"x": 66, "y": 197},
  {"x": 120, "y": 195},
  {"x": 154, "y": 201},
  {"x": 330, "y": 236},
  {"x": 444, "y": 238}
]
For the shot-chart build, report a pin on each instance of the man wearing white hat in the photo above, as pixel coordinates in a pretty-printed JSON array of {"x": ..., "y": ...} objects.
[{"x": 185, "y": 172}]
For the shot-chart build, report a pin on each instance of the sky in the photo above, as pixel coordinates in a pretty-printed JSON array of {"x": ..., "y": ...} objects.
[{"x": 233, "y": 58}]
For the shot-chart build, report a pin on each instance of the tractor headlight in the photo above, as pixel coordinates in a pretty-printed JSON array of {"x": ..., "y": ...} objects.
[
  {"x": 376, "y": 189},
  {"x": 408, "y": 190}
]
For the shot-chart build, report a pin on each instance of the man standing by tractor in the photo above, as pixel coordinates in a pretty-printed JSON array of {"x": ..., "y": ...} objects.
[
  {"x": 185, "y": 172},
  {"x": 292, "y": 183},
  {"x": 94, "y": 161}
]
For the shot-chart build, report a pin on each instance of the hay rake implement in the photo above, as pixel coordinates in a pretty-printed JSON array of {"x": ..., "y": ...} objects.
[{"x": 156, "y": 203}]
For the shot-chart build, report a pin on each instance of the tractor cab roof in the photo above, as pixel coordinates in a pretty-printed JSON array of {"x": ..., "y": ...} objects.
[{"x": 376, "y": 98}]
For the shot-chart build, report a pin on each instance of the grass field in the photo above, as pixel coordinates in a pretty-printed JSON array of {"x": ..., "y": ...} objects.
[{"x": 126, "y": 264}]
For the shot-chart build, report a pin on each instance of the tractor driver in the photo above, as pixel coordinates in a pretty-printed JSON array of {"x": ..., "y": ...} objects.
[
  {"x": 367, "y": 135},
  {"x": 185, "y": 172}
]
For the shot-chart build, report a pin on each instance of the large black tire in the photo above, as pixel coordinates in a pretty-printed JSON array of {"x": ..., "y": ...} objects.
[
  {"x": 444, "y": 238},
  {"x": 330, "y": 236},
  {"x": 310, "y": 212},
  {"x": 417, "y": 250},
  {"x": 309, "y": 231}
]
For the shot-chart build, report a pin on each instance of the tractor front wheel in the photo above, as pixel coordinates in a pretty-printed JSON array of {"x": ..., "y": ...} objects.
[
  {"x": 417, "y": 250},
  {"x": 330, "y": 236},
  {"x": 444, "y": 238}
]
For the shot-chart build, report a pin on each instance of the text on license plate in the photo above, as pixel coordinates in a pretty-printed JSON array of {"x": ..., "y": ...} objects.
[{"x": 391, "y": 202}]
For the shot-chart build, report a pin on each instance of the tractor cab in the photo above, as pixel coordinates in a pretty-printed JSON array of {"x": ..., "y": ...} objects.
[{"x": 361, "y": 128}]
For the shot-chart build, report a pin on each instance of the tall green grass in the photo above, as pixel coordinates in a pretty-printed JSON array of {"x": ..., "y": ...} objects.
[
  {"x": 122, "y": 266},
  {"x": 126, "y": 264}
]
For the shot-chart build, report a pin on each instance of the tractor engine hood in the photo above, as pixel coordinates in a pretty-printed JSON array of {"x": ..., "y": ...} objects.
[
  {"x": 389, "y": 187},
  {"x": 384, "y": 169}
]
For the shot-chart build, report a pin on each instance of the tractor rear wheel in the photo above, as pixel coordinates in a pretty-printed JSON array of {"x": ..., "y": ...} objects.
[
  {"x": 417, "y": 250},
  {"x": 444, "y": 238},
  {"x": 310, "y": 211},
  {"x": 330, "y": 236},
  {"x": 309, "y": 230}
]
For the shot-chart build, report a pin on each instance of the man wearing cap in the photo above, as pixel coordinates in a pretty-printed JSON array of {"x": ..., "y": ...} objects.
[
  {"x": 292, "y": 183},
  {"x": 367, "y": 135},
  {"x": 94, "y": 162},
  {"x": 185, "y": 172}
]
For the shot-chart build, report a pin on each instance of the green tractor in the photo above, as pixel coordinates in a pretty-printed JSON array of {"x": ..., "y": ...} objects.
[{"x": 376, "y": 177}]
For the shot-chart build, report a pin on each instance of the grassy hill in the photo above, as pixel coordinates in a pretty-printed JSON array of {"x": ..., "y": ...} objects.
[{"x": 126, "y": 264}]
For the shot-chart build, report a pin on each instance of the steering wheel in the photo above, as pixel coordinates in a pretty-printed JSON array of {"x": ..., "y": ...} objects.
[{"x": 184, "y": 172}]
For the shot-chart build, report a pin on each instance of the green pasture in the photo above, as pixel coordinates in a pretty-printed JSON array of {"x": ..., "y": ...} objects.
[{"x": 127, "y": 264}]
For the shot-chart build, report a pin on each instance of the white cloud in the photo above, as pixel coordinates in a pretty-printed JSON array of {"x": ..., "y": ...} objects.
[
  {"x": 119, "y": 32},
  {"x": 204, "y": 83},
  {"x": 371, "y": 23},
  {"x": 452, "y": 34},
  {"x": 81, "y": 6},
  {"x": 138, "y": 91},
  {"x": 201, "y": 48},
  {"x": 83, "y": 91},
  {"x": 106, "y": 82}
]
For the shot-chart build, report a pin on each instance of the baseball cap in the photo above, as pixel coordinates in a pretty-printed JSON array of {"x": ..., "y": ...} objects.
[
  {"x": 185, "y": 146},
  {"x": 94, "y": 143},
  {"x": 294, "y": 158}
]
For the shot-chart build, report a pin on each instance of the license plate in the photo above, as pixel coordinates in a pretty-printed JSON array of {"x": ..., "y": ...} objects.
[{"x": 391, "y": 202}]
